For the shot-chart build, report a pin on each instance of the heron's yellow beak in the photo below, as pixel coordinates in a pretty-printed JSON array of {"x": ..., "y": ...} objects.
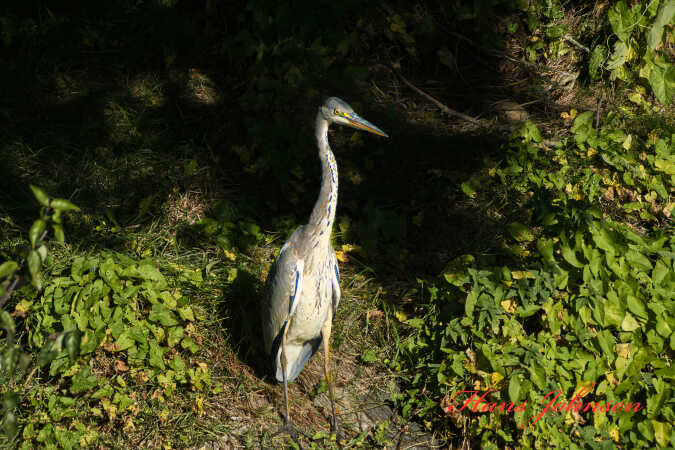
[{"x": 359, "y": 122}]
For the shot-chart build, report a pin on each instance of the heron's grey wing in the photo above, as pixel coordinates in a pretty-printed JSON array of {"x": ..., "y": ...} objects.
[
  {"x": 282, "y": 286},
  {"x": 337, "y": 293}
]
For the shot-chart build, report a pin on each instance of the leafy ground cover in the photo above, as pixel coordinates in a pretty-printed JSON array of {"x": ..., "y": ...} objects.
[{"x": 527, "y": 251}]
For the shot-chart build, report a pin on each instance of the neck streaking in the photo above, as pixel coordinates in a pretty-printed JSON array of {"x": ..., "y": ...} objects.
[{"x": 323, "y": 214}]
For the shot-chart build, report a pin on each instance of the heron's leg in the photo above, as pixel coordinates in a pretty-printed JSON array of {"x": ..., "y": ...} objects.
[
  {"x": 327, "y": 326},
  {"x": 288, "y": 424}
]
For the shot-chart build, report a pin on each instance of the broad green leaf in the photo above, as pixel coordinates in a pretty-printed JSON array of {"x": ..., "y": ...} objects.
[
  {"x": 622, "y": 20},
  {"x": 177, "y": 364},
  {"x": 659, "y": 273},
  {"x": 662, "y": 432},
  {"x": 34, "y": 263},
  {"x": 72, "y": 344},
  {"x": 40, "y": 195},
  {"x": 156, "y": 354},
  {"x": 538, "y": 375},
  {"x": 369, "y": 356},
  {"x": 663, "y": 328},
  {"x": 665, "y": 165},
  {"x": 598, "y": 57},
  {"x": 514, "y": 388},
  {"x": 636, "y": 306},
  {"x": 163, "y": 315},
  {"x": 545, "y": 247},
  {"x": 61, "y": 204},
  {"x": 664, "y": 17},
  {"x": 124, "y": 341},
  {"x": 83, "y": 381},
  {"x": 470, "y": 303},
  {"x": 174, "y": 336},
  {"x": 606, "y": 342},
  {"x": 570, "y": 256},
  {"x": 190, "y": 344},
  {"x": 36, "y": 231},
  {"x": 638, "y": 260},
  {"x": 618, "y": 58},
  {"x": 7, "y": 269},
  {"x": 77, "y": 269},
  {"x": 107, "y": 272},
  {"x": 629, "y": 323},
  {"x": 59, "y": 235},
  {"x": 662, "y": 81},
  {"x": 7, "y": 322},
  {"x": 105, "y": 391},
  {"x": 614, "y": 310},
  {"x": 520, "y": 232},
  {"x": 469, "y": 189}
]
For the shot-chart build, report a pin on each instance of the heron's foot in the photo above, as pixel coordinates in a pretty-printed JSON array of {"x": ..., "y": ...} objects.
[{"x": 289, "y": 428}]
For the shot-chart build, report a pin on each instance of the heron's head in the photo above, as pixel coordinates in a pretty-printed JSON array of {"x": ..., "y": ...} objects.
[{"x": 337, "y": 111}]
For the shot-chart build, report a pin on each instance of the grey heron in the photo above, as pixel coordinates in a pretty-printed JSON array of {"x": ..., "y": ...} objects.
[{"x": 303, "y": 285}]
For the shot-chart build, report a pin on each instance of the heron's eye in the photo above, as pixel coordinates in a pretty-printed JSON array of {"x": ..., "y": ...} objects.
[{"x": 337, "y": 112}]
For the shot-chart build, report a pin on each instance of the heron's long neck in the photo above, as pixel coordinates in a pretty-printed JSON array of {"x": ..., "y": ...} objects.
[{"x": 323, "y": 213}]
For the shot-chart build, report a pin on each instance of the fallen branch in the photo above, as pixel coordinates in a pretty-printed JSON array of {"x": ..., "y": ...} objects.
[
  {"x": 444, "y": 108},
  {"x": 576, "y": 44}
]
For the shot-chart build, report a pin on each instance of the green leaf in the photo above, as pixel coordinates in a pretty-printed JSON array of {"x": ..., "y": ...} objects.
[
  {"x": 369, "y": 356},
  {"x": 105, "y": 391},
  {"x": 83, "y": 381},
  {"x": 639, "y": 260},
  {"x": 545, "y": 247},
  {"x": 156, "y": 354},
  {"x": 178, "y": 365},
  {"x": 36, "y": 231},
  {"x": 637, "y": 307},
  {"x": 61, "y": 204},
  {"x": 174, "y": 336},
  {"x": 606, "y": 342},
  {"x": 469, "y": 189},
  {"x": 7, "y": 269},
  {"x": 530, "y": 132},
  {"x": 659, "y": 273},
  {"x": 77, "y": 269},
  {"x": 107, "y": 272},
  {"x": 622, "y": 20},
  {"x": 124, "y": 341},
  {"x": 163, "y": 315},
  {"x": 663, "y": 18},
  {"x": 514, "y": 388},
  {"x": 662, "y": 432},
  {"x": 59, "y": 235},
  {"x": 570, "y": 256},
  {"x": 7, "y": 322},
  {"x": 662, "y": 81},
  {"x": 629, "y": 323},
  {"x": 72, "y": 344},
  {"x": 34, "y": 264},
  {"x": 40, "y": 195},
  {"x": 520, "y": 232},
  {"x": 470, "y": 303},
  {"x": 598, "y": 57}
]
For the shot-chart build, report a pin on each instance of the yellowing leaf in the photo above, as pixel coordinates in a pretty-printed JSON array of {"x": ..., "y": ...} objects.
[
  {"x": 495, "y": 378},
  {"x": 627, "y": 143},
  {"x": 518, "y": 274},
  {"x": 614, "y": 433},
  {"x": 341, "y": 256},
  {"x": 230, "y": 255},
  {"x": 509, "y": 305},
  {"x": 623, "y": 350}
]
